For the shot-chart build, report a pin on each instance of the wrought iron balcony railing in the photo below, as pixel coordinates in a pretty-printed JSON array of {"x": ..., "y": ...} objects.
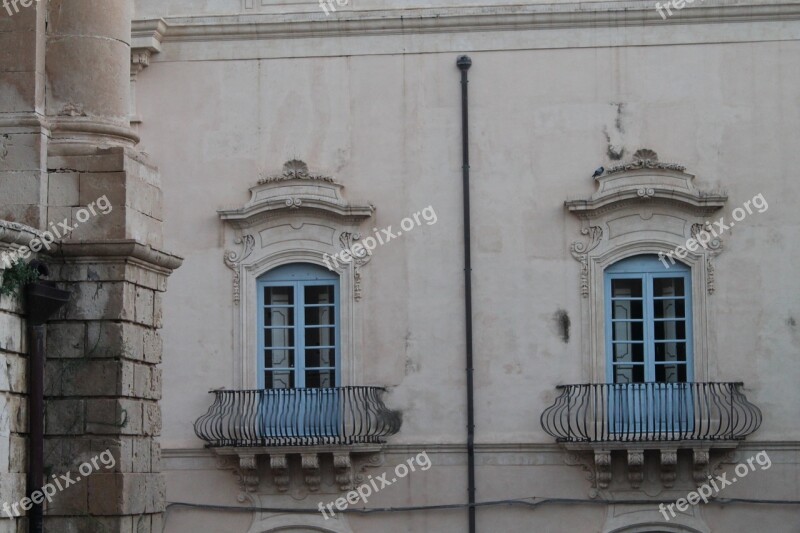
[
  {"x": 297, "y": 417},
  {"x": 642, "y": 412}
]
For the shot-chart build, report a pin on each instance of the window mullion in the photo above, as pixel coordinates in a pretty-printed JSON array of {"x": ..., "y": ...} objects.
[
  {"x": 300, "y": 339},
  {"x": 649, "y": 333}
]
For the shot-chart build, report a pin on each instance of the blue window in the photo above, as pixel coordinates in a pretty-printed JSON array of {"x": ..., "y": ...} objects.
[
  {"x": 648, "y": 322},
  {"x": 648, "y": 311},
  {"x": 298, "y": 328}
]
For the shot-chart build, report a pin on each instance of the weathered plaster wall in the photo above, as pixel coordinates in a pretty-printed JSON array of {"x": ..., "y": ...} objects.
[{"x": 382, "y": 115}]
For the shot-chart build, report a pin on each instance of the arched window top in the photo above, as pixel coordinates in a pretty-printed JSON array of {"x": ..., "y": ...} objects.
[
  {"x": 647, "y": 263},
  {"x": 299, "y": 272}
]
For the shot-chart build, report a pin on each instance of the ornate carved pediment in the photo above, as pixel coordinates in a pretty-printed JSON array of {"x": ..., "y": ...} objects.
[
  {"x": 295, "y": 189},
  {"x": 648, "y": 183}
]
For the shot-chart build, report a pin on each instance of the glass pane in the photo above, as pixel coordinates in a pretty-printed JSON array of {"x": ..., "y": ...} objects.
[
  {"x": 279, "y": 379},
  {"x": 278, "y": 358},
  {"x": 319, "y": 294},
  {"x": 670, "y": 329},
  {"x": 279, "y": 316},
  {"x": 670, "y": 351},
  {"x": 668, "y": 287},
  {"x": 628, "y": 331},
  {"x": 628, "y": 353},
  {"x": 626, "y": 288},
  {"x": 675, "y": 373},
  {"x": 626, "y": 309},
  {"x": 321, "y": 357},
  {"x": 669, "y": 308},
  {"x": 320, "y": 379},
  {"x": 278, "y": 338},
  {"x": 278, "y": 296},
  {"x": 320, "y": 316},
  {"x": 320, "y": 337},
  {"x": 628, "y": 373}
]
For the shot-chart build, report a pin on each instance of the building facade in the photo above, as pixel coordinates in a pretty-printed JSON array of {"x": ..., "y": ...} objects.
[{"x": 295, "y": 168}]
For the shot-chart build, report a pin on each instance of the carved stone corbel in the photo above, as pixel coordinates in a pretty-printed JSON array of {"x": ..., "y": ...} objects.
[
  {"x": 635, "y": 467},
  {"x": 700, "y": 461},
  {"x": 669, "y": 462},
  {"x": 343, "y": 468},
  {"x": 279, "y": 464},
  {"x": 310, "y": 462},
  {"x": 248, "y": 472},
  {"x": 602, "y": 463}
]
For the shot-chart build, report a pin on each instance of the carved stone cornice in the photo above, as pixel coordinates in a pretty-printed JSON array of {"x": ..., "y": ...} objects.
[
  {"x": 295, "y": 189},
  {"x": 315, "y": 23},
  {"x": 646, "y": 180}
]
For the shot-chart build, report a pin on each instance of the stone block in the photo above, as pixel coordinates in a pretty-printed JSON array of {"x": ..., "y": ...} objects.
[
  {"x": 101, "y": 300},
  {"x": 11, "y": 332},
  {"x": 143, "y": 307},
  {"x": 114, "y": 416},
  {"x": 22, "y": 187},
  {"x": 155, "y": 383},
  {"x": 142, "y": 381},
  {"x": 65, "y": 454},
  {"x": 64, "y": 417},
  {"x": 13, "y": 373},
  {"x": 158, "y": 311},
  {"x": 18, "y": 454},
  {"x": 156, "y": 462},
  {"x": 116, "y": 340},
  {"x": 151, "y": 420},
  {"x": 100, "y": 160},
  {"x": 126, "y": 494},
  {"x": 142, "y": 459},
  {"x": 153, "y": 347},
  {"x": 84, "y": 377},
  {"x": 92, "y": 524},
  {"x": 63, "y": 189},
  {"x": 66, "y": 340},
  {"x": 22, "y": 150},
  {"x": 72, "y": 500}
]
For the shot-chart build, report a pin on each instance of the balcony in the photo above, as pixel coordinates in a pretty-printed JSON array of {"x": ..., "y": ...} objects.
[
  {"x": 634, "y": 417},
  {"x": 280, "y": 423}
]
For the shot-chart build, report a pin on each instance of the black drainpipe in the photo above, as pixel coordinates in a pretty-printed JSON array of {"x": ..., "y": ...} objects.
[
  {"x": 464, "y": 62},
  {"x": 42, "y": 300}
]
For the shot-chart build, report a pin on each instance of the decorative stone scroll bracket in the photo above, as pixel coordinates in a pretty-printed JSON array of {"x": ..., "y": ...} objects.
[
  {"x": 308, "y": 462},
  {"x": 233, "y": 260},
  {"x": 580, "y": 252},
  {"x": 600, "y": 474}
]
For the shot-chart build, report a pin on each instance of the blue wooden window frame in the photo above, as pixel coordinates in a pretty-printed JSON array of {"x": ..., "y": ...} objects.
[
  {"x": 647, "y": 269},
  {"x": 651, "y": 404},
  {"x": 297, "y": 278}
]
